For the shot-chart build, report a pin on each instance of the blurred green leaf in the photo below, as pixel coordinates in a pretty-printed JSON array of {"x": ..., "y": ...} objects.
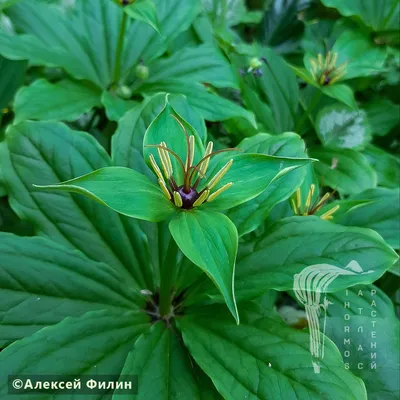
[
  {"x": 346, "y": 171},
  {"x": 65, "y": 100},
  {"x": 340, "y": 127}
]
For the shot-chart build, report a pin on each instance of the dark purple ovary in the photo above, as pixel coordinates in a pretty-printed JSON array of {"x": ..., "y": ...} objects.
[{"x": 188, "y": 198}]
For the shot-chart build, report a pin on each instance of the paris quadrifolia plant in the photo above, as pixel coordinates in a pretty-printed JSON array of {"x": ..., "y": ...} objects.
[{"x": 191, "y": 186}]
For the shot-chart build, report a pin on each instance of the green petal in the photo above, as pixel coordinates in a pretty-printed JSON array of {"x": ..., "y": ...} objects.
[
  {"x": 123, "y": 190},
  {"x": 250, "y": 174},
  {"x": 210, "y": 240}
]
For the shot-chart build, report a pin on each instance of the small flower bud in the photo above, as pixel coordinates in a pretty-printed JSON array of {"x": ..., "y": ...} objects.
[
  {"x": 124, "y": 92},
  {"x": 255, "y": 63},
  {"x": 142, "y": 72}
]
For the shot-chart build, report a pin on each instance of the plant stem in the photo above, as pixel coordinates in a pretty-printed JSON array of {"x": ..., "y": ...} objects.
[
  {"x": 120, "y": 46},
  {"x": 167, "y": 277},
  {"x": 308, "y": 111}
]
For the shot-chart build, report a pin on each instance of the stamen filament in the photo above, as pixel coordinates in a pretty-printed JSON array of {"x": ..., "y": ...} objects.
[
  {"x": 158, "y": 146},
  {"x": 298, "y": 197},
  {"x": 322, "y": 200},
  {"x": 328, "y": 59},
  {"x": 219, "y": 175},
  {"x": 320, "y": 62},
  {"x": 164, "y": 189},
  {"x": 164, "y": 160},
  {"x": 204, "y": 166},
  {"x": 309, "y": 197},
  {"x": 156, "y": 168},
  {"x": 191, "y": 153},
  {"x": 178, "y": 199},
  {"x": 333, "y": 61},
  {"x": 168, "y": 159},
  {"x": 202, "y": 198},
  {"x": 295, "y": 209},
  {"x": 219, "y": 191},
  {"x": 328, "y": 214}
]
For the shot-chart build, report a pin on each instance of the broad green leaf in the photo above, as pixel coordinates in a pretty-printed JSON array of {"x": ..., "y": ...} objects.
[
  {"x": 346, "y": 170},
  {"x": 250, "y": 174},
  {"x": 174, "y": 17},
  {"x": 123, "y": 190},
  {"x": 250, "y": 215},
  {"x": 203, "y": 64},
  {"x": 43, "y": 286},
  {"x": 361, "y": 55},
  {"x": 145, "y": 11},
  {"x": 162, "y": 365},
  {"x": 166, "y": 128},
  {"x": 230, "y": 13},
  {"x": 279, "y": 87},
  {"x": 341, "y": 92},
  {"x": 340, "y": 127},
  {"x": 265, "y": 359},
  {"x": 210, "y": 240},
  {"x": 304, "y": 74},
  {"x": 381, "y": 214},
  {"x": 65, "y": 100},
  {"x": 281, "y": 28},
  {"x": 96, "y": 343},
  {"x": 127, "y": 142},
  {"x": 46, "y": 153},
  {"x": 115, "y": 106},
  {"x": 367, "y": 307},
  {"x": 380, "y": 15},
  {"x": 262, "y": 111},
  {"x": 7, "y": 3},
  {"x": 386, "y": 165},
  {"x": 13, "y": 74},
  {"x": 84, "y": 42},
  {"x": 383, "y": 115},
  {"x": 266, "y": 266},
  {"x": 338, "y": 91},
  {"x": 209, "y": 105}
]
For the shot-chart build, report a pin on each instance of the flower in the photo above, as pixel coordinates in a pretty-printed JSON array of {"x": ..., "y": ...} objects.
[
  {"x": 324, "y": 71},
  {"x": 311, "y": 209},
  {"x": 186, "y": 195}
]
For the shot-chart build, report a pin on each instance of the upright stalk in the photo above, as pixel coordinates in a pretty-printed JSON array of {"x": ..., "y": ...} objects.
[
  {"x": 167, "y": 278},
  {"x": 120, "y": 47},
  {"x": 307, "y": 112}
]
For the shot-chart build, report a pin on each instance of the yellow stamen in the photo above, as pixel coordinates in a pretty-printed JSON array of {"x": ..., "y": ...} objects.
[
  {"x": 295, "y": 209},
  {"x": 156, "y": 168},
  {"x": 328, "y": 214},
  {"x": 328, "y": 59},
  {"x": 168, "y": 161},
  {"x": 178, "y": 199},
  {"x": 313, "y": 69},
  {"x": 189, "y": 163},
  {"x": 333, "y": 61},
  {"x": 309, "y": 197},
  {"x": 218, "y": 176},
  {"x": 219, "y": 191},
  {"x": 205, "y": 163},
  {"x": 337, "y": 77},
  {"x": 164, "y": 162},
  {"x": 201, "y": 199},
  {"x": 298, "y": 197},
  {"x": 164, "y": 189},
  {"x": 320, "y": 62},
  {"x": 323, "y": 199}
]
